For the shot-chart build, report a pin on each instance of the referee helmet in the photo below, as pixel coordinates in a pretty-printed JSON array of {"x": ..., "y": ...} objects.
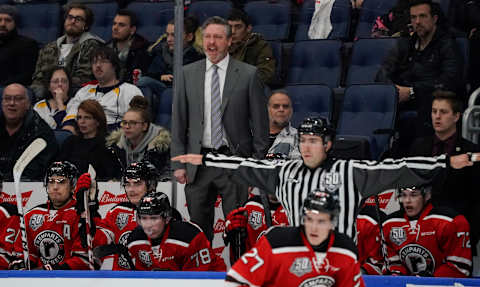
[{"x": 317, "y": 126}]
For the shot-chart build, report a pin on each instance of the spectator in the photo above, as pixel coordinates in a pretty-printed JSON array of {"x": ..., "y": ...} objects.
[
  {"x": 446, "y": 111},
  {"x": 283, "y": 137},
  {"x": 20, "y": 126},
  {"x": 221, "y": 108},
  {"x": 421, "y": 63},
  {"x": 18, "y": 54},
  {"x": 110, "y": 92},
  {"x": 139, "y": 139},
  {"x": 88, "y": 145},
  {"x": 130, "y": 47},
  {"x": 250, "y": 47},
  {"x": 426, "y": 240},
  {"x": 71, "y": 50},
  {"x": 160, "y": 73},
  {"x": 52, "y": 109}
]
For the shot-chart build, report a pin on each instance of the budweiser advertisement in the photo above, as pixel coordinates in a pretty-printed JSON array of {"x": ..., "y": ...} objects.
[{"x": 386, "y": 200}]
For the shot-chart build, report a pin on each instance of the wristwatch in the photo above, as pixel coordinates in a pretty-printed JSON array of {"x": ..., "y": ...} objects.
[{"x": 412, "y": 94}]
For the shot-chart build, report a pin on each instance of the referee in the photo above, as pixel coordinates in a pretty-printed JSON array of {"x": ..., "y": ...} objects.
[{"x": 292, "y": 180}]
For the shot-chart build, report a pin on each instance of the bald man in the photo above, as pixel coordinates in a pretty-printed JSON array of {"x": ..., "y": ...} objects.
[{"x": 19, "y": 126}]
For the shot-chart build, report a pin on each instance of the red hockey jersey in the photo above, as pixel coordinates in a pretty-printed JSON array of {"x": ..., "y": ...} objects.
[
  {"x": 8, "y": 233},
  {"x": 183, "y": 246},
  {"x": 368, "y": 241},
  {"x": 437, "y": 244},
  {"x": 53, "y": 238},
  {"x": 283, "y": 257}
]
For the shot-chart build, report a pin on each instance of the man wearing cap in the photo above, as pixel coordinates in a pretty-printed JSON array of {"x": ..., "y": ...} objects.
[
  {"x": 292, "y": 180},
  {"x": 18, "y": 54}
]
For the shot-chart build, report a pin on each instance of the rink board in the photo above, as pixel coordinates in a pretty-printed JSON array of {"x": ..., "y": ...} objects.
[{"x": 184, "y": 279}]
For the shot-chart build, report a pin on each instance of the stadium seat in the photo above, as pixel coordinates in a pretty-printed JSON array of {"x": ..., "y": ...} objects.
[
  {"x": 278, "y": 54},
  {"x": 464, "y": 48},
  {"x": 367, "y": 57},
  {"x": 271, "y": 19},
  {"x": 164, "y": 109},
  {"x": 104, "y": 14},
  {"x": 61, "y": 136},
  {"x": 315, "y": 62},
  {"x": 366, "y": 111},
  {"x": 308, "y": 100},
  {"x": 152, "y": 18},
  {"x": 205, "y": 9},
  {"x": 444, "y": 5},
  {"x": 370, "y": 10},
  {"x": 40, "y": 21},
  {"x": 340, "y": 19}
]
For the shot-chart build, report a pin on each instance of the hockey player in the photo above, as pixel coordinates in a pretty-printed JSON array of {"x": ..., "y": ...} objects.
[
  {"x": 53, "y": 228},
  {"x": 161, "y": 244},
  {"x": 292, "y": 180},
  {"x": 312, "y": 254},
  {"x": 8, "y": 233},
  {"x": 368, "y": 240},
  {"x": 426, "y": 240}
]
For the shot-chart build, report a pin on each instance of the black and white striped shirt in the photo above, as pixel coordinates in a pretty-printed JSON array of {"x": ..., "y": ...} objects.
[{"x": 291, "y": 180}]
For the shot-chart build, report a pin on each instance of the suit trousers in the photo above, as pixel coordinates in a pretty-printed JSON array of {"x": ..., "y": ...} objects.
[{"x": 201, "y": 196}]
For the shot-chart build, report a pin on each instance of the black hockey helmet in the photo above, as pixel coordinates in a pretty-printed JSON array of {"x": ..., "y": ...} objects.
[
  {"x": 317, "y": 126},
  {"x": 322, "y": 201},
  {"x": 62, "y": 168},
  {"x": 423, "y": 189},
  {"x": 155, "y": 203},
  {"x": 142, "y": 170}
]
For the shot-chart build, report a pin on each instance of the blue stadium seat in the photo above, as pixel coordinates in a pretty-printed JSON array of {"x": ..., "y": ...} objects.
[
  {"x": 310, "y": 100},
  {"x": 340, "y": 19},
  {"x": 164, "y": 109},
  {"x": 370, "y": 10},
  {"x": 271, "y": 19},
  {"x": 205, "y": 9},
  {"x": 40, "y": 21},
  {"x": 278, "y": 54},
  {"x": 152, "y": 18},
  {"x": 366, "y": 109},
  {"x": 367, "y": 57},
  {"x": 464, "y": 49},
  {"x": 315, "y": 62},
  {"x": 104, "y": 14},
  {"x": 444, "y": 5},
  {"x": 61, "y": 136}
]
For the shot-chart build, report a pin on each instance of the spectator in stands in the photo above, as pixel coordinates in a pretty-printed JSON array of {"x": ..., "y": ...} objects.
[
  {"x": 283, "y": 137},
  {"x": 71, "y": 50},
  {"x": 446, "y": 111},
  {"x": 139, "y": 139},
  {"x": 426, "y": 240},
  {"x": 88, "y": 145},
  {"x": 160, "y": 73},
  {"x": 110, "y": 92},
  {"x": 19, "y": 126},
  {"x": 421, "y": 63},
  {"x": 52, "y": 109},
  {"x": 130, "y": 47},
  {"x": 18, "y": 54},
  {"x": 250, "y": 47}
]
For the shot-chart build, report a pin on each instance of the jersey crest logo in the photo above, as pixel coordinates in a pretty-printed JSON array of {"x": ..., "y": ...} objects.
[
  {"x": 144, "y": 256},
  {"x": 319, "y": 281},
  {"x": 51, "y": 247},
  {"x": 417, "y": 258},
  {"x": 36, "y": 221},
  {"x": 301, "y": 266},
  {"x": 122, "y": 220},
  {"x": 123, "y": 238},
  {"x": 255, "y": 219},
  {"x": 398, "y": 235},
  {"x": 330, "y": 181}
]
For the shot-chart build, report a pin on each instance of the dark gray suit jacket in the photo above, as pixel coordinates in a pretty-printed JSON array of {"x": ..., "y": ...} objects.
[{"x": 244, "y": 112}]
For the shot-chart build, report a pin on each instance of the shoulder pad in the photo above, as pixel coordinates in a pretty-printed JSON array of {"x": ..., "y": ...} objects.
[
  {"x": 344, "y": 242},
  {"x": 125, "y": 204},
  {"x": 136, "y": 234},
  {"x": 445, "y": 211},
  {"x": 9, "y": 208},
  {"x": 183, "y": 231},
  {"x": 396, "y": 214},
  {"x": 284, "y": 236}
]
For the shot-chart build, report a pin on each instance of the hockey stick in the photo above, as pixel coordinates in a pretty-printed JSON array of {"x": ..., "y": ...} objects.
[
  {"x": 86, "y": 200},
  {"x": 266, "y": 207},
  {"x": 112, "y": 249},
  {"x": 27, "y": 156},
  {"x": 383, "y": 242}
]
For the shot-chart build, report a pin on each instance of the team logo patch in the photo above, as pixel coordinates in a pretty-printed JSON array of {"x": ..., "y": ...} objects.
[
  {"x": 417, "y": 258},
  {"x": 51, "y": 247},
  {"x": 301, "y": 266},
  {"x": 145, "y": 257},
  {"x": 36, "y": 221},
  {"x": 123, "y": 262},
  {"x": 122, "y": 220},
  {"x": 330, "y": 181},
  {"x": 319, "y": 281},
  {"x": 255, "y": 219},
  {"x": 398, "y": 235}
]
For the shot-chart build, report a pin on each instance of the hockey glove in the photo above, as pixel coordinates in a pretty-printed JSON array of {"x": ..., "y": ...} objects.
[
  {"x": 83, "y": 183},
  {"x": 236, "y": 219},
  {"x": 17, "y": 264}
]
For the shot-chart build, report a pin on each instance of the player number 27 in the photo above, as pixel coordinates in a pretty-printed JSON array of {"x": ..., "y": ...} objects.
[
  {"x": 204, "y": 257},
  {"x": 254, "y": 255}
]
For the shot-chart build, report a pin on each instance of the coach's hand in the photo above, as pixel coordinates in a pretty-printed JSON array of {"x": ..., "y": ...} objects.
[{"x": 191, "y": 158}]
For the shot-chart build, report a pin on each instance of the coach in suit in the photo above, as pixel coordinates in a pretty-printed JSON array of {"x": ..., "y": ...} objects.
[{"x": 221, "y": 107}]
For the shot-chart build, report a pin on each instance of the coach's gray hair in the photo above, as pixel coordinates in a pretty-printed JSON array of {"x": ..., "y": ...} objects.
[{"x": 218, "y": 21}]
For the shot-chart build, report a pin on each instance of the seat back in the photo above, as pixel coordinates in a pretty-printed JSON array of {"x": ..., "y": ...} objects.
[
  {"x": 278, "y": 54},
  {"x": 152, "y": 18},
  {"x": 40, "y": 21},
  {"x": 310, "y": 100},
  {"x": 366, "y": 109},
  {"x": 271, "y": 19},
  {"x": 104, "y": 13},
  {"x": 164, "y": 109},
  {"x": 202, "y": 10}
]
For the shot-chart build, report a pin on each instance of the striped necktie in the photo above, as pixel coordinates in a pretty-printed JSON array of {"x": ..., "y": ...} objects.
[{"x": 216, "y": 113}]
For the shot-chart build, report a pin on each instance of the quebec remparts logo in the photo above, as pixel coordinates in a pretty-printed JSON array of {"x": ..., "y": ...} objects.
[
  {"x": 301, "y": 266},
  {"x": 51, "y": 247},
  {"x": 319, "y": 281},
  {"x": 417, "y": 258},
  {"x": 36, "y": 221}
]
